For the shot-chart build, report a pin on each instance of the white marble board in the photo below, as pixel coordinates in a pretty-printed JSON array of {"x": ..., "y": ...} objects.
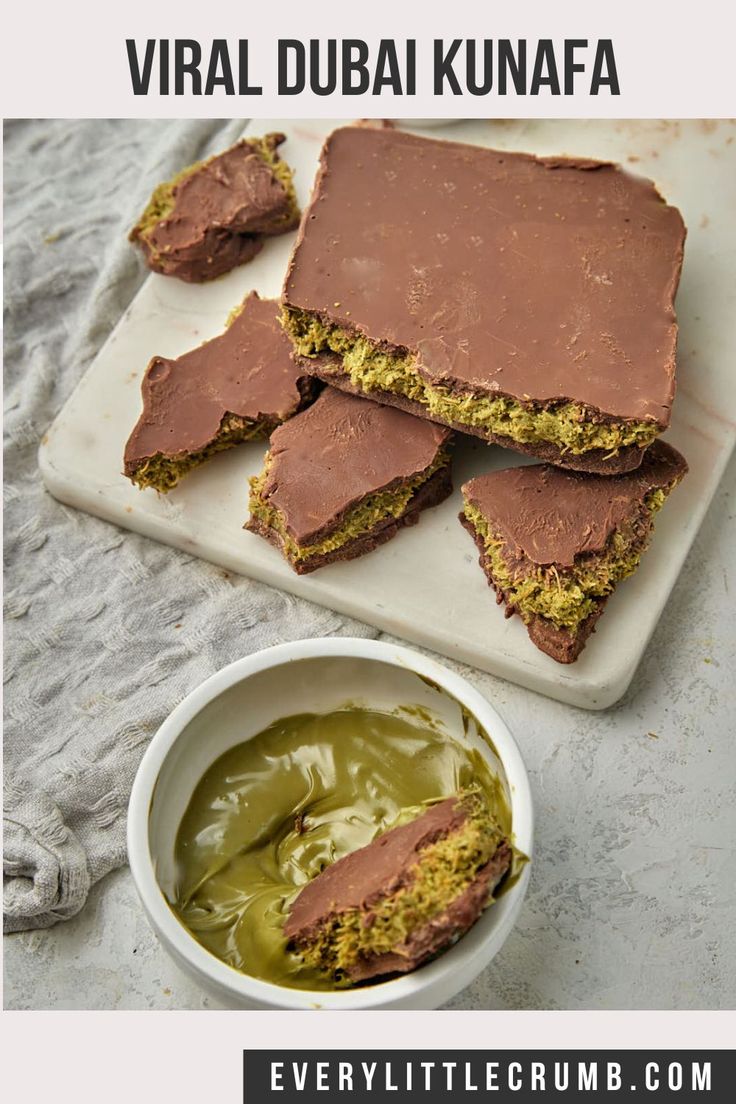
[{"x": 425, "y": 585}]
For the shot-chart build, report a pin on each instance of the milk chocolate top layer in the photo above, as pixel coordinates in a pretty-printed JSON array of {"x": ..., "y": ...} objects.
[
  {"x": 537, "y": 278},
  {"x": 247, "y": 371},
  {"x": 338, "y": 451},
  {"x": 235, "y": 191},
  {"x": 553, "y": 515},
  {"x": 363, "y": 877}
]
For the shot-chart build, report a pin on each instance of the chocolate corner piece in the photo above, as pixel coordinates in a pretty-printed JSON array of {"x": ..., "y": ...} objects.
[
  {"x": 560, "y": 644},
  {"x": 213, "y": 216}
]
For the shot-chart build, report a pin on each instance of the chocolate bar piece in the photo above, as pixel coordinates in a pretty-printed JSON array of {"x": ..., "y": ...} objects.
[
  {"x": 528, "y": 301},
  {"x": 555, "y": 544},
  {"x": 236, "y": 387},
  {"x": 214, "y": 215},
  {"x": 344, "y": 476},
  {"x": 408, "y": 895}
]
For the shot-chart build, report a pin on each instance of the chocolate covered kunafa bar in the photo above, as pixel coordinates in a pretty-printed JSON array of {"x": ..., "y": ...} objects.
[
  {"x": 344, "y": 476},
  {"x": 528, "y": 301},
  {"x": 554, "y": 544},
  {"x": 231, "y": 389},
  {"x": 214, "y": 215},
  {"x": 408, "y": 895}
]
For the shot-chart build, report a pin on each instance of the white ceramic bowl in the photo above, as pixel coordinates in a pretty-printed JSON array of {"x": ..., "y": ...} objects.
[{"x": 313, "y": 676}]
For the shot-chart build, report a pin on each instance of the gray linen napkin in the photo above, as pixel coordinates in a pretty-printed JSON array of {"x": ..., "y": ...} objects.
[{"x": 105, "y": 631}]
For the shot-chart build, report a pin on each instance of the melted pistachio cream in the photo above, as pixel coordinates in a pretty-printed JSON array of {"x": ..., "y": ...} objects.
[
  {"x": 570, "y": 426},
  {"x": 272, "y": 813}
]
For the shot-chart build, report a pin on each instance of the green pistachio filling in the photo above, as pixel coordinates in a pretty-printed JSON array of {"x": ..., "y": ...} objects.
[
  {"x": 444, "y": 870},
  {"x": 358, "y": 522},
  {"x": 285, "y": 176},
  {"x": 164, "y": 472},
  {"x": 567, "y": 598},
  {"x": 568, "y": 425},
  {"x": 163, "y": 200}
]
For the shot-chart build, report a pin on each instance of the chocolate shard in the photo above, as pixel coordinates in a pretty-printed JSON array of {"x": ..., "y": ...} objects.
[
  {"x": 528, "y": 301},
  {"x": 214, "y": 215},
  {"x": 343, "y": 477},
  {"x": 234, "y": 388},
  {"x": 555, "y": 544},
  {"x": 408, "y": 895}
]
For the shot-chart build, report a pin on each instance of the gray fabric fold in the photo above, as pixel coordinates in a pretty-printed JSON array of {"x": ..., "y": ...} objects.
[{"x": 105, "y": 631}]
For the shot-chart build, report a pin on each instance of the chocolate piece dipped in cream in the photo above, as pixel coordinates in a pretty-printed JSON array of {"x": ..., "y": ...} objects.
[
  {"x": 526, "y": 300},
  {"x": 390, "y": 906},
  {"x": 276, "y": 814}
]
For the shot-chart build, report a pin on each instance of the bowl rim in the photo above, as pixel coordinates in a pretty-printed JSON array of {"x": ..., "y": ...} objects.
[{"x": 243, "y": 987}]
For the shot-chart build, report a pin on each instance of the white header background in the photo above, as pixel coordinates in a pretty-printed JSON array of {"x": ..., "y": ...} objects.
[
  {"x": 142, "y": 1057},
  {"x": 69, "y": 59}
]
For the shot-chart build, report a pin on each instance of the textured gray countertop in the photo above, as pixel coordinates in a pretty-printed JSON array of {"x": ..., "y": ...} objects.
[{"x": 633, "y": 897}]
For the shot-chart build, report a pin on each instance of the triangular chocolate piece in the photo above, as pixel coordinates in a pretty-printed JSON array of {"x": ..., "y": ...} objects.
[{"x": 554, "y": 544}]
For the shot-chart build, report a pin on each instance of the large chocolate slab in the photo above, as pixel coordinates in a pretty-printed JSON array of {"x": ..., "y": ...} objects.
[
  {"x": 247, "y": 371},
  {"x": 338, "y": 451},
  {"x": 541, "y": 279},
  {"x": 327, "y": 367}
]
